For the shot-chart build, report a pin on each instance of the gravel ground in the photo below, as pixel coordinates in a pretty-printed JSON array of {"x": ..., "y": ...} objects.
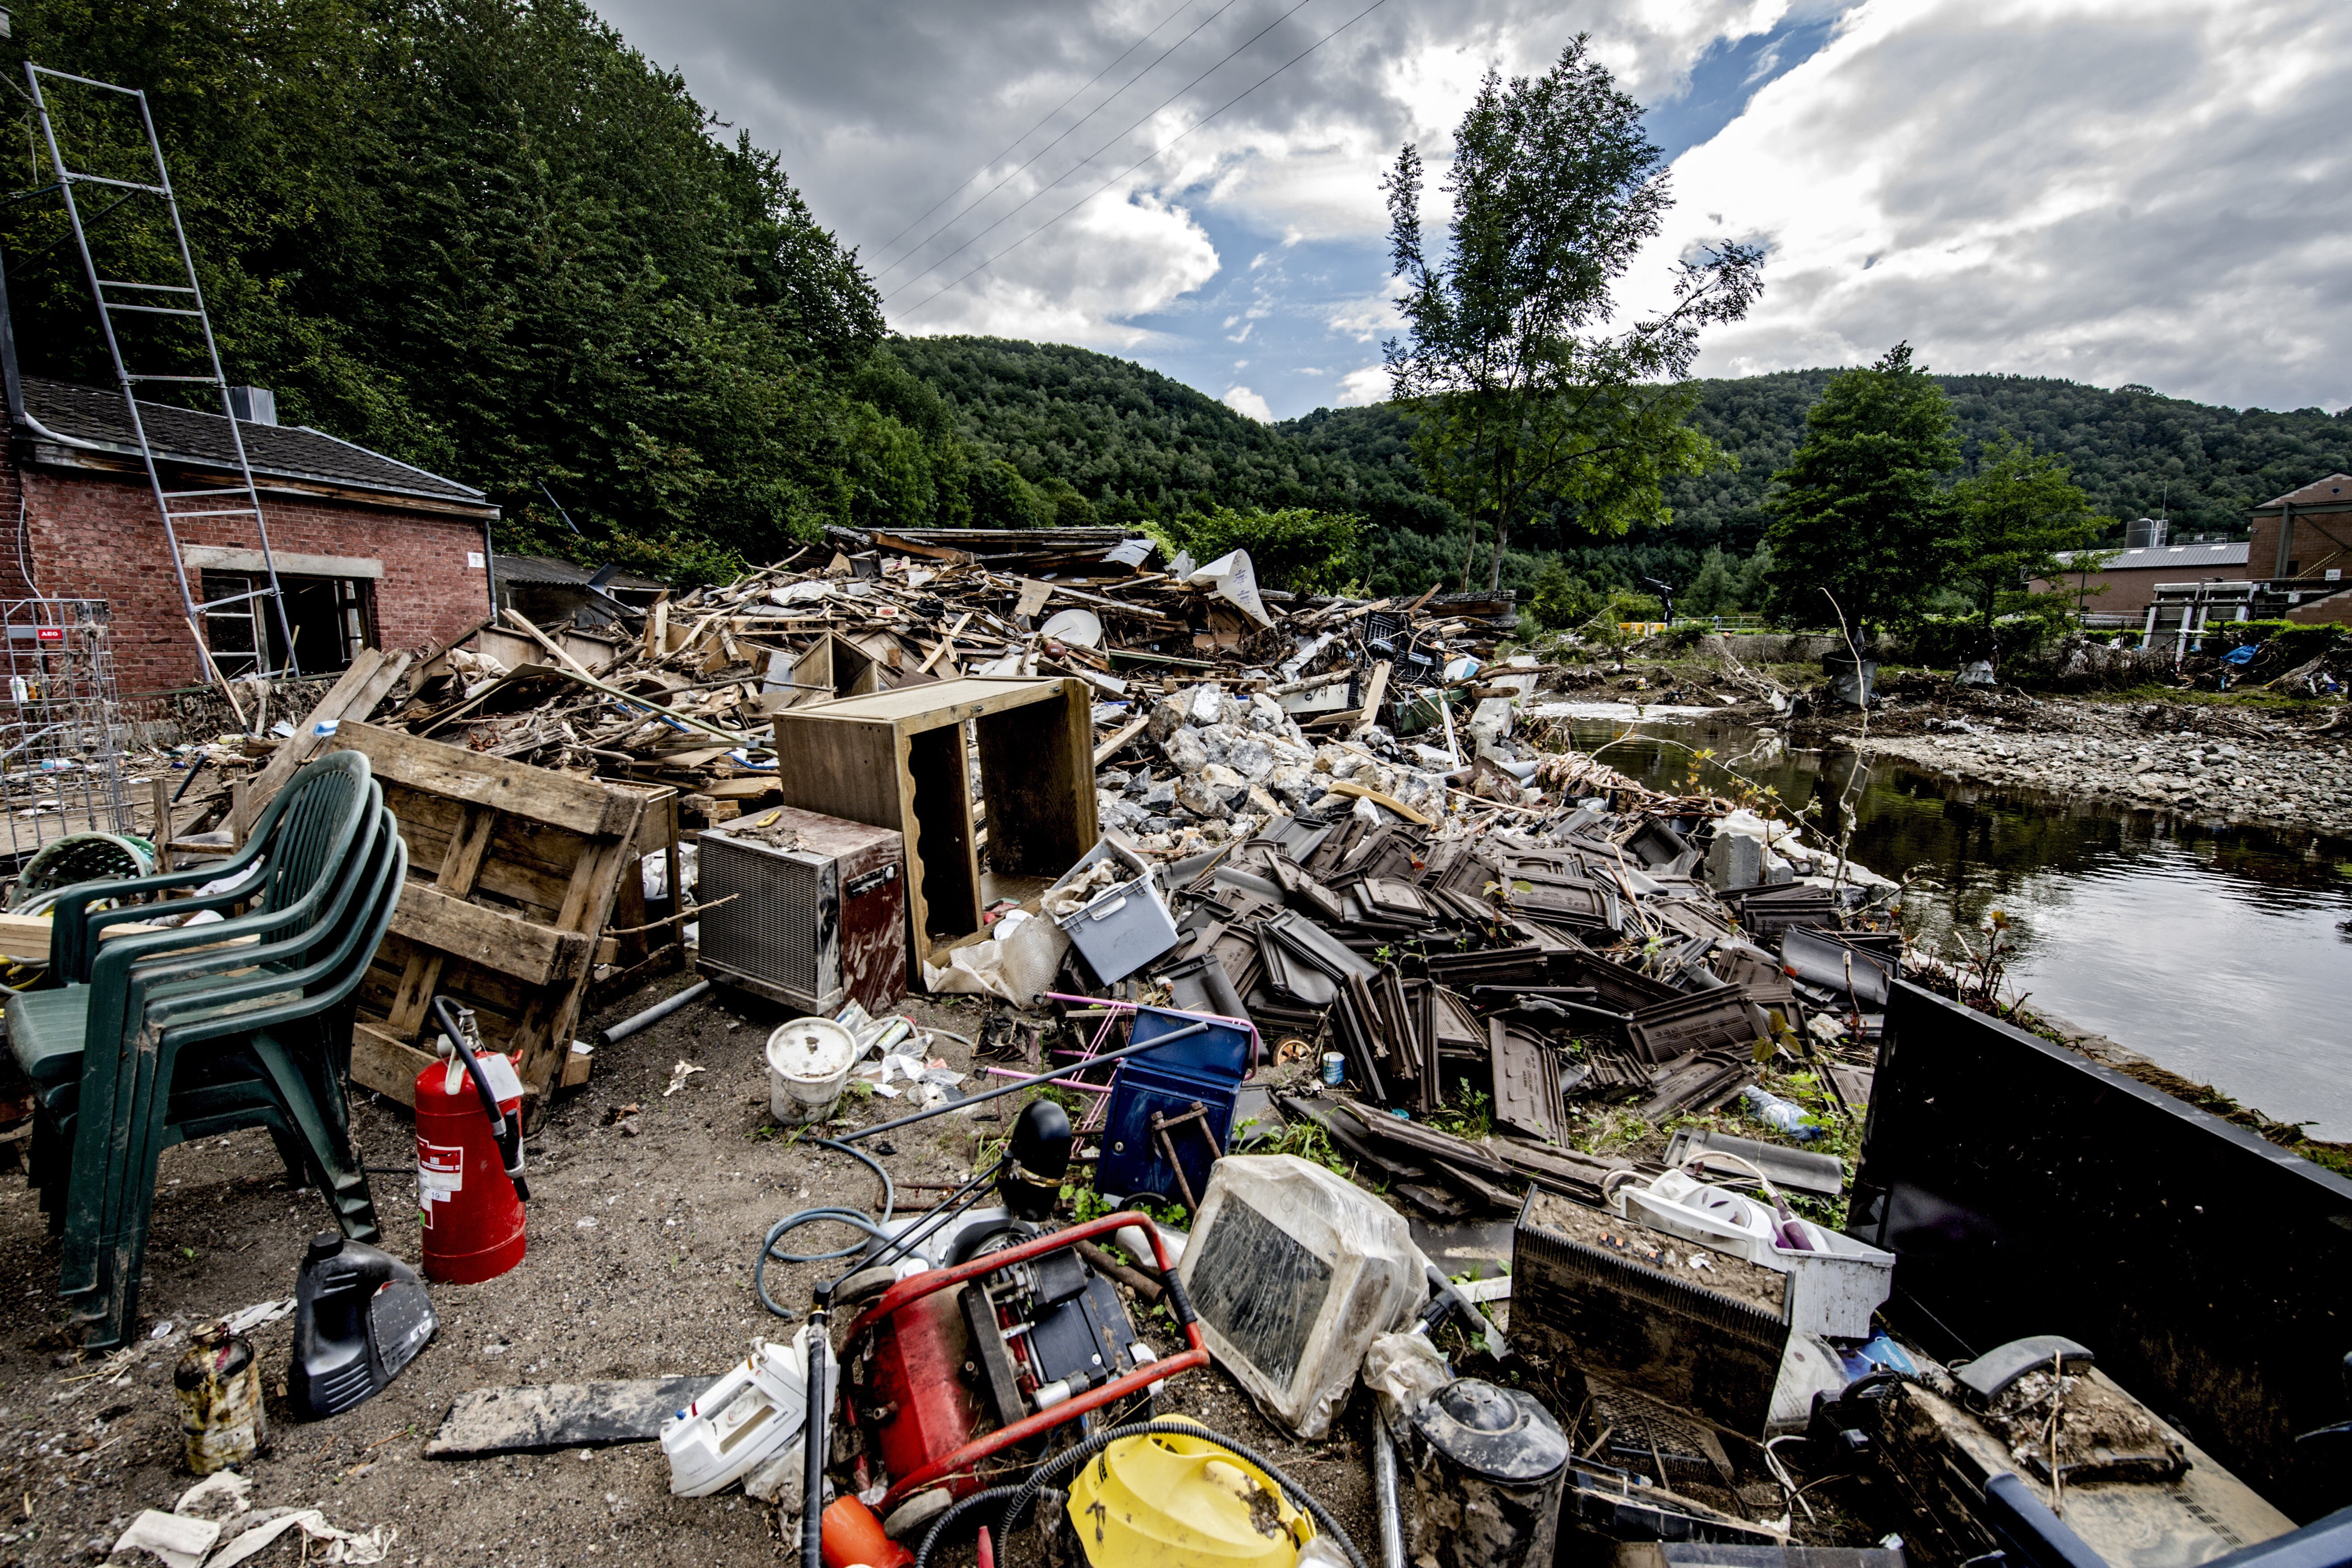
[
  {"x": 640, "y": 1264},
  {"x": 2212, "y": 763}
]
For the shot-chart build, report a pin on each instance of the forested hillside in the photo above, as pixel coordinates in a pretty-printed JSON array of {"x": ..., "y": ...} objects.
[
  {"x": 1135, "y": 443},
  {"x": 485, "y": 236},
  {"x": 488, "y": 238}
]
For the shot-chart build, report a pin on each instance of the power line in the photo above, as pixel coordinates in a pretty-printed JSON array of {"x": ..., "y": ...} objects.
[
  {"x": 1148, "y": 157},
  {"x": 1030, "y": 160},
  {"x": 1183, "y": 7},
  {"x": 1108, "y": 145}
]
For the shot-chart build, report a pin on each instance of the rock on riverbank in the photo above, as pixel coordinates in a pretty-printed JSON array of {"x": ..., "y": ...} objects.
[{"x": 2160, "y": 756}]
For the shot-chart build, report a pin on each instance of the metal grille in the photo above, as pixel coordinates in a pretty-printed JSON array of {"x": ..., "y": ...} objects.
[
  {"x": 61, "y": 731},
  {"x": 769, "y": 932}
]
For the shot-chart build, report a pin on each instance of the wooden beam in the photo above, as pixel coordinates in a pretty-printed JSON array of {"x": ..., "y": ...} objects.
[
  {"x": 509, "y": 944},
  {"x": 522, "y": 624},
  {"x": 1351, "y": 788},
  {"x": 1126, "y": 733},
  {"x": 386, "y": 1065},
  {"x": 1375, "y": 693}
]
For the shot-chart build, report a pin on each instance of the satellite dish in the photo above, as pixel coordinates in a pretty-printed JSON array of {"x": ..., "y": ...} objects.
[{"x": 1077, "y": 628}]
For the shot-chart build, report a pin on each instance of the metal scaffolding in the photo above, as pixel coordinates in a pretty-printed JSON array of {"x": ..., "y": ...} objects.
[{"x": 62, "y": 732}]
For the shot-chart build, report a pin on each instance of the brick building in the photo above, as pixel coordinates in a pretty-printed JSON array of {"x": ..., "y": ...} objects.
[
  {"x": 369, "y": 550},
  {"x": 2302, "y": 544},
  {"x": 2119, "y": 589}
]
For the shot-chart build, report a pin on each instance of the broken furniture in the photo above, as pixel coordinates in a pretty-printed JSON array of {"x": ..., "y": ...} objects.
[
  {"x": 512, "y": 872},
  {"x": 198, "y": 1030},
  {"x": 899, "y": 760},
  {"x": 806, "y": 910}
]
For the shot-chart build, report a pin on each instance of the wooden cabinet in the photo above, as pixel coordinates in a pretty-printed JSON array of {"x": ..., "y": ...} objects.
[{"x": 902, "y": 760}]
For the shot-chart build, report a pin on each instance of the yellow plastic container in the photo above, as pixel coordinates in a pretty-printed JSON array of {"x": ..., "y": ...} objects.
[{"x": 1173, "y": 1501}]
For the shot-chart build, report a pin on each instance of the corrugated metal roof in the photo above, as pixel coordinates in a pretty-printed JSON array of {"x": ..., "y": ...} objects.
[
  {"x": 2172, "y": 557},
  {"x": 2335, "y": 489},
  {"x": 89, "y": 416},
  {"x": 547, "y": 569}
]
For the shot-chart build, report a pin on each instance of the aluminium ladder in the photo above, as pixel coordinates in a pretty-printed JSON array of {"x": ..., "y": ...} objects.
[{"x": 182, "y": 300}]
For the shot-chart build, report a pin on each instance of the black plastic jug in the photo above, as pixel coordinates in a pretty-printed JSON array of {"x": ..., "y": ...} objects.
[{"x": 359, "y": 1315}]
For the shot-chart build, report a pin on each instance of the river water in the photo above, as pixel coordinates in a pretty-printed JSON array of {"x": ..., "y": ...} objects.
[{"x": 2224, "y": 953}]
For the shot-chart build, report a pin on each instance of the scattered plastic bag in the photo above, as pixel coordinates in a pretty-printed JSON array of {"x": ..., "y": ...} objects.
[
  {"x": 1233, "y": 578},
  {"x": 1016, "y": 963}
]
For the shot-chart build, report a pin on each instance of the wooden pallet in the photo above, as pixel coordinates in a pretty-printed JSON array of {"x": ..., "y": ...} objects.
[{"x": 511, "y": 877}]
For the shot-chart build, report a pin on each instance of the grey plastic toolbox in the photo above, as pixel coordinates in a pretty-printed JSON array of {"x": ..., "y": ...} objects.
[{"x": 1125, "y": 926}]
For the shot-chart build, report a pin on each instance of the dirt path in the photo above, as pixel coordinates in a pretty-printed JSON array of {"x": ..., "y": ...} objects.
[{"x": 640, "y": 1264}]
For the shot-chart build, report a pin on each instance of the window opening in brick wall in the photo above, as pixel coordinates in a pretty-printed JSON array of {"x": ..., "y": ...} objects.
[{"x": 332, "y": 618}]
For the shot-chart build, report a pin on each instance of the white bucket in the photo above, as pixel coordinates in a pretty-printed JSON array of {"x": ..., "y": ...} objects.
[{"x": 808, "y": 1065}]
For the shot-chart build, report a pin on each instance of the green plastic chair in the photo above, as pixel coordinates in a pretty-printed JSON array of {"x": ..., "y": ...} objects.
[
  {"x": 304, "y": 827},
  {"x": 312, "y": 823},
  {"x": 252, "y": 1035},
  {"x": 273, "y": 1013},
  {"x": 281, "y": 1029}
]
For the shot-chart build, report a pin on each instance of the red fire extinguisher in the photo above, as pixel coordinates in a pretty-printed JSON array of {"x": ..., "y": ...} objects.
[{"x": 469, "y": 1179}]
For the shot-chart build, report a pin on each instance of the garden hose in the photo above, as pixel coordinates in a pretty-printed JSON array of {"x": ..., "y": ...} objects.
[{"x": 854, "y": 1217}]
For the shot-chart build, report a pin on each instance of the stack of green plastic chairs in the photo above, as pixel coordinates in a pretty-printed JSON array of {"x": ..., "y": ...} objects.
[{"x": 156, "y": 1037}]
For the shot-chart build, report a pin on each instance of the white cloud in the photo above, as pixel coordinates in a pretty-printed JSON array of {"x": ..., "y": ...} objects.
[
  {"x": 876, "y": 109},
  {"x": 1242, "y": 401},
  {"x": 1369, "y": 384},
  {"x": 1367, "y": 320},
  {"x": 2108, "y": 191},
  {"x": 2157, "y": 191}
]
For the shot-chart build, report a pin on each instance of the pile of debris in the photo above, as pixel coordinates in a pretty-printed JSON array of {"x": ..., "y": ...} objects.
[{"x": 682, "y": 693}]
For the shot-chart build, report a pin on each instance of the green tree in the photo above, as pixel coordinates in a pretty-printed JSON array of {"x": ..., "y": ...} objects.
[
  {"x": 1001, "y": 498},
  {"x": 2016, "y": 513},
  {"x": 488, "y": 238},
  {"x": 1295, "y": 550},
  {"x": 1526, "y": 403},
  {"x": 1860, "y": 522}
]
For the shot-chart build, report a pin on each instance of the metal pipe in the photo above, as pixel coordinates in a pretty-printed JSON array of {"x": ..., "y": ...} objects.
[
  {"x": 816, "y": 1440},
  {"x": 1384, "y": 1493},
  {"x": 653, "y": 1015},
  {"x": 1120, "y": 1054}
]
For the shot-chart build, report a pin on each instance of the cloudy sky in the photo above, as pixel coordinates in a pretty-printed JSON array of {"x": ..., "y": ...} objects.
[{"x": 2113, "y": 191}]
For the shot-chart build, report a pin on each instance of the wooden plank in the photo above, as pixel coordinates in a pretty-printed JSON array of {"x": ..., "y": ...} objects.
[
  {"x": 461, "y": 863},
  {"x": 1351, "y": 788},
  {"x": 941, "y": 702},
  {"x": 522, "y": 624},
  {"x": 1376, "y": 692},
  {"x": 386, "y": 1065},
  {"x": 1032, "y": 598},
  {"x": 27, "y": 937},
  {"x": 337, "y": 704},
  {"x": 508, "y": 944},
  {"x": 580, "y": 804},
  {"x": 1126, "y": 733}
]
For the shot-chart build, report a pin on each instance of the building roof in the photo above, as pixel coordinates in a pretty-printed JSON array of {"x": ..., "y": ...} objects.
[
  {"x": 96, "y": 420},
  {"x": 563, "y": 573},
  {"x": 2169, "y": 557},
  {"x": 2335, "y": 489}
]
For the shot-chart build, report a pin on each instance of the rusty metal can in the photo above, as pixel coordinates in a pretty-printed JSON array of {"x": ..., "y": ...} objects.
[{"x": 221, "y": 1419}]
